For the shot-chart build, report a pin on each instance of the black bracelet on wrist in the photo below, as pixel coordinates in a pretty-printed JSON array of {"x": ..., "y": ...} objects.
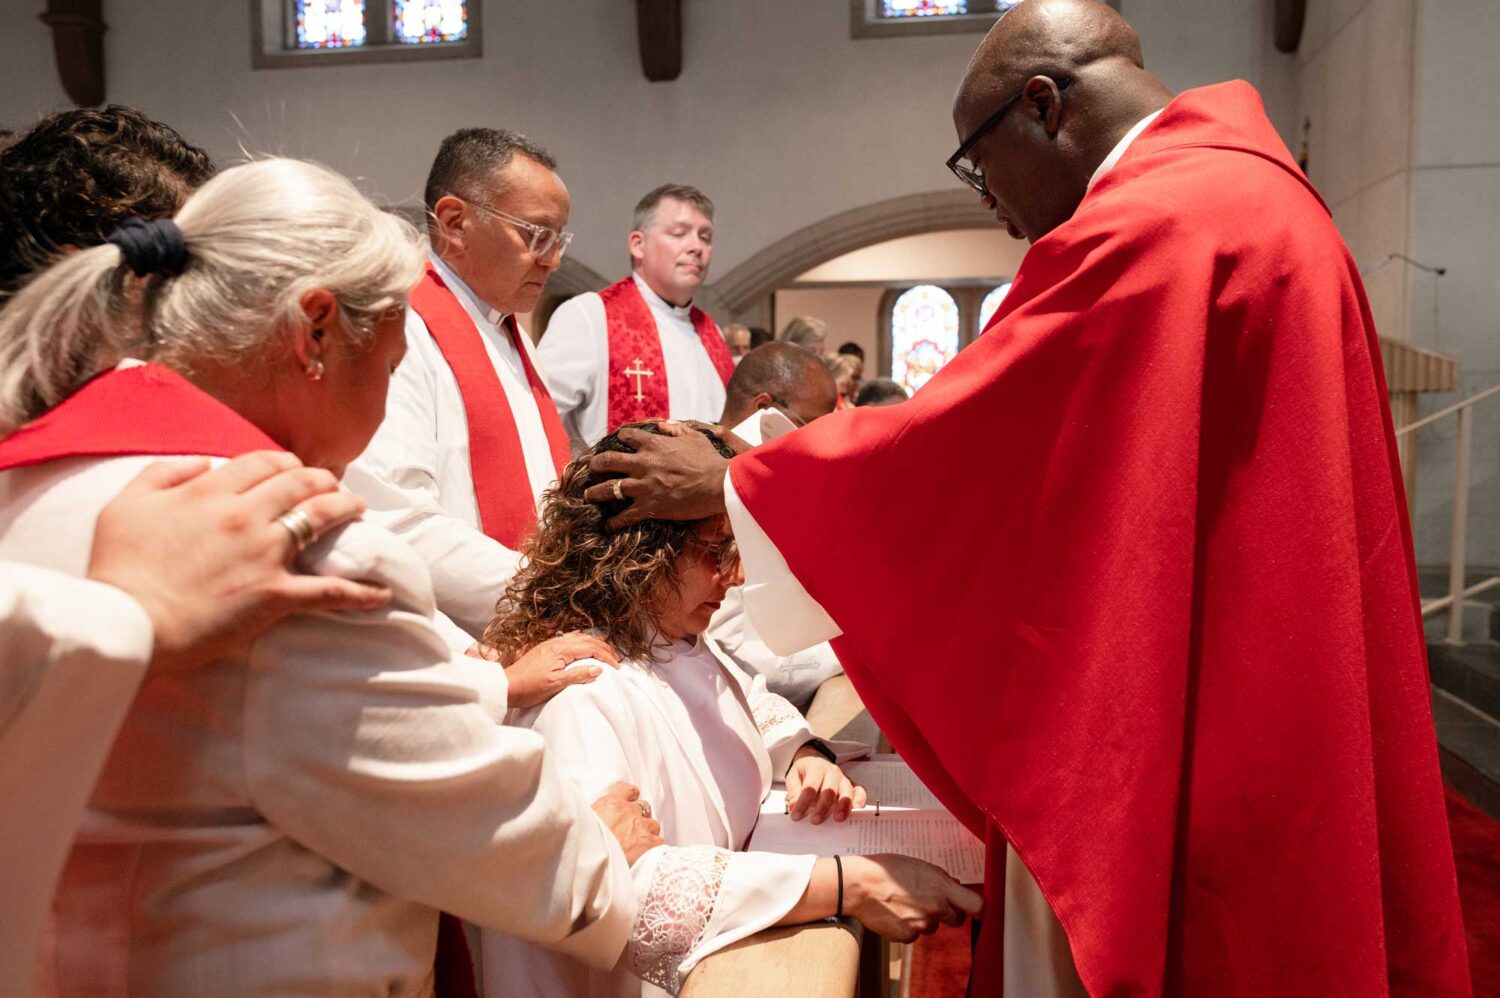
[
  {"x": 838, "y": 863},
  {"x": 820, "y": 747}
]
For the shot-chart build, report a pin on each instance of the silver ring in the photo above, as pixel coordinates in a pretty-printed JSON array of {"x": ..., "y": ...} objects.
[
  {"x": 300, "y": 526},
  {"x": 619, "y": 490}
]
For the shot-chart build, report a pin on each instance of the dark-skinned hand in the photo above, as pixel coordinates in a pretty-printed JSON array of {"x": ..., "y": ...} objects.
[{"x": 669, "y": 477}]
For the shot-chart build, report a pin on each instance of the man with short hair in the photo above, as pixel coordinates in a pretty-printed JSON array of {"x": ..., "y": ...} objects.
[
  {"x": 471, "y": 436},
  {"x": 639, "y": 349},
  {"x": 1164, "y": 648},
  {"x": 737, "y": 339},
  {"x": 880, "y": 391},
  {"x": 774, "y": 390}
]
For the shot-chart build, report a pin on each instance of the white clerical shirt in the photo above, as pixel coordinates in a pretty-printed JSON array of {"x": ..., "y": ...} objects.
[
  {"x": 74, "y": 655},
  {"x": 415, "y": 474},
  {"x": 1038, "y": 963},
  {"x": 574, "y": 355}
]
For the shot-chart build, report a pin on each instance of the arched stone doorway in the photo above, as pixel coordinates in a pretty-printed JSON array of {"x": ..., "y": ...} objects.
[{"x": 744, "y": 294}]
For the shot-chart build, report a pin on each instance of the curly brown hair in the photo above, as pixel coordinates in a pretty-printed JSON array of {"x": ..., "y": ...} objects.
[
  {"x": 579, "y": 576},
  {"x": 74, "y": 176}
]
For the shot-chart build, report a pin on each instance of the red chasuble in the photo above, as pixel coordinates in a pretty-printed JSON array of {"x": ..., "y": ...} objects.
[
  {"x": 637, "y": 372},
  {"x": 154, "y": 410},
  {"x": 1145, "y": 605},
  {"x": 507, "y": 508}
]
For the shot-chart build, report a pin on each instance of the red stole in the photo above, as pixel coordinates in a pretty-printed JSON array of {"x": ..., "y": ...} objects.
[
  {"x": 134, "y": 410},
  {"x": 507, "y": 508},
  {"x": 154, "y": 410},
  {"x": 1177, "y": 662},
  {"x": 637, "y": 374}
]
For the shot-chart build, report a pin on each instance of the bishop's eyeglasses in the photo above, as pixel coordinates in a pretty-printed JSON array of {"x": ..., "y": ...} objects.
[
  {"x": 544, "y": 241},
  {"x": 973, "y": 178}
]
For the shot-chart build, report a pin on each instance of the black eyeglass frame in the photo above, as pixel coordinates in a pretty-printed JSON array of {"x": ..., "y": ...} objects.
[{"x": 974, "y": 179}]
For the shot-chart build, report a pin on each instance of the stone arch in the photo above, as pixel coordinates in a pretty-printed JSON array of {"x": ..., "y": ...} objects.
[{"x": 745, "y": 288}]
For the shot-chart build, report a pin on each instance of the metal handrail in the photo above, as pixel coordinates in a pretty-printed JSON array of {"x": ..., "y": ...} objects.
[{"x": 1458, "y": 539}]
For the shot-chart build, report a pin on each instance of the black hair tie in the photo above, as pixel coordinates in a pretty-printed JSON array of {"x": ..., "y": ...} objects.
[{"x": 151, "y": 246}]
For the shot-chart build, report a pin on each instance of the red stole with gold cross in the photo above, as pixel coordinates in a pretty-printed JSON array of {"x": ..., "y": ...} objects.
[{"x": 637, "y": 373}]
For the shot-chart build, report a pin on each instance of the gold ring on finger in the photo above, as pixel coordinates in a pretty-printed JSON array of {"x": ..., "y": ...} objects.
[{"x": 300, "y": 526}]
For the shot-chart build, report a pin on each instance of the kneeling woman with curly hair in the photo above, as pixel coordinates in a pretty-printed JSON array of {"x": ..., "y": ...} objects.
[{"x": 701, "y": 739}]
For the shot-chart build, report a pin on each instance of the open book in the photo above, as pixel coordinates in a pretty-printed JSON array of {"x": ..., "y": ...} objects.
[{"x": 901, "y": 816}]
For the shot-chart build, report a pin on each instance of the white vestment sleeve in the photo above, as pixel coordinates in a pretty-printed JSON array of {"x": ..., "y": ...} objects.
[
  {"x": 368, "y": 742},
  {"x": 398, "y": 478},
  {"x": 695, "y": 900},
  {"x": 573, "y": 357},
  {"x": 72, "y": 654},
  {"x": 787, "y": 618},
  {"x": 796, "y": 676}
]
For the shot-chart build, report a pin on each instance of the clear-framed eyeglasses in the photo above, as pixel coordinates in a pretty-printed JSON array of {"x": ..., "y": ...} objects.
[{"x": 544, "y": 241}]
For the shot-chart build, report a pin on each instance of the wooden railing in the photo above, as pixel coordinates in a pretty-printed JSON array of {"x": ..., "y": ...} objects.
[{"x": 1410, "y": 371}]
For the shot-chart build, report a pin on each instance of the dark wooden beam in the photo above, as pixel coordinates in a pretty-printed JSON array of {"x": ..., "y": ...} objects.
[
  {"x": 1290, "y": 16},
  {"x": 78, "y": 44},
  {"x": 658, "y": 24}
]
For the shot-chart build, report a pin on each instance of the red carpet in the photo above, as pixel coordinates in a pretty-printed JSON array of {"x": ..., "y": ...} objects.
[{"x": 940, "y": 963}]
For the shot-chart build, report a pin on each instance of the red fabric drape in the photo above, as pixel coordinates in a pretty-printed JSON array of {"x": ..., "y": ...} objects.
[{"x": 1145, "y": 603}]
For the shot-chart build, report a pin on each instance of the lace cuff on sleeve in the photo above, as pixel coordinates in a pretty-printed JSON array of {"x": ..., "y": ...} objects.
[{"x": 673, "y": 915}]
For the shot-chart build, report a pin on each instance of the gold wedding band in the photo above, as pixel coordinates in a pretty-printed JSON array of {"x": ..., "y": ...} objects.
[
  {"x": 619, "y": 490},
  {"x": 300, "y": 526},
  {"x": 645, "y": 808}
]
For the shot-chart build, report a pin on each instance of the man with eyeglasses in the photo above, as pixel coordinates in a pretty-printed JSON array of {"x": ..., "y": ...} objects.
[
  {"x": 640, "y": 349},
  {"x": 1157, "y": 638},
  {"x": 471, "y": 436},
  {"x": 775, "y": 389}
]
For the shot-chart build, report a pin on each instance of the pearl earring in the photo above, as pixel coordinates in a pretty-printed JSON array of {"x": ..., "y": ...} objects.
[{"x": 314, "y": 369}]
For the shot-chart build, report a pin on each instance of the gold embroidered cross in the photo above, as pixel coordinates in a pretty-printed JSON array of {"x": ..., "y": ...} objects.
[{"x": 638, "y": 371}]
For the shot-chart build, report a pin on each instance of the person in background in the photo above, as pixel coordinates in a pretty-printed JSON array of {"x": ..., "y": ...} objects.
[
  {"x": 640, "y": 349},
  {"x": 853, "y": 349},
  {"x": 776, "y": 389},
  {"x": 805, "y": 331},
  {"x": 760, "y": 336},
  {"x": 847, "y": 370},
  {"x": 737, "y": 338},
  {"x": 186, "y": 564},
  {"x": 355, "y": 779},
  {"x": 70, "y": 179},
  {"x": 880, "y": 391}
]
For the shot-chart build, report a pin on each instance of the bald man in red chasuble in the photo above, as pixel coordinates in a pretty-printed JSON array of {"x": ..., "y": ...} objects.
[{"x": 1162, "y": 649}]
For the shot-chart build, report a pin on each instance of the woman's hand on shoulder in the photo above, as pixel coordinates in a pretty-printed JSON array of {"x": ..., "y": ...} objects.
[
  {"x": 902, "y": 898},
  {"x": 541, "y": 672},
  {"x": 819, "y": 788}
]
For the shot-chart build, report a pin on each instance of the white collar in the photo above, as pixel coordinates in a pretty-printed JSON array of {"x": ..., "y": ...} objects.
[
  {"x": 763, "y": 426},
  {"x": 479, "y": 307},
  {"x": 655, "y": 300},
  {"x": 1118, "y": 151}
]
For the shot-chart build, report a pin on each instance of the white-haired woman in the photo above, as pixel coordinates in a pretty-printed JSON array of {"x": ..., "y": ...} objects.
[{"x": 288, "y": 820}]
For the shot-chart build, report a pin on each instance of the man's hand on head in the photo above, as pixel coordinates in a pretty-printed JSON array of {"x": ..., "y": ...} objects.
[{"x": 669, "y": 477}]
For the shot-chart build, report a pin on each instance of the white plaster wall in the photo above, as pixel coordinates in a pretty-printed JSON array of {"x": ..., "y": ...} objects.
[
  {"x": 1455, "y": 223},
  {"x": 932, "y": 256},
  {"x": 779, "y": 115}
]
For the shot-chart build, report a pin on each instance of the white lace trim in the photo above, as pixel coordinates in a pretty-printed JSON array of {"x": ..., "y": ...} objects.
[
  {"x": 771, "y": 710},
  {"x": 675, "y": 911}
]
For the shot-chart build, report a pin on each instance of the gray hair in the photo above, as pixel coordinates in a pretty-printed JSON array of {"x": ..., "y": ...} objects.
[
  {"x": 258, "y": 237},
  {"x": 805, "y": 331},
  {"x": 645, "y": 208}
]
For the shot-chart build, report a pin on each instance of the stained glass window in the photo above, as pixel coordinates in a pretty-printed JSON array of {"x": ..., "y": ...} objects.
[
  {"x": 924, "y": 334},
  {"x": 329, "y": 24},
  {"x": 943, "y": 8},
  {"x": 991, "y": 302},
  {"x": 418, "y": 21}
]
